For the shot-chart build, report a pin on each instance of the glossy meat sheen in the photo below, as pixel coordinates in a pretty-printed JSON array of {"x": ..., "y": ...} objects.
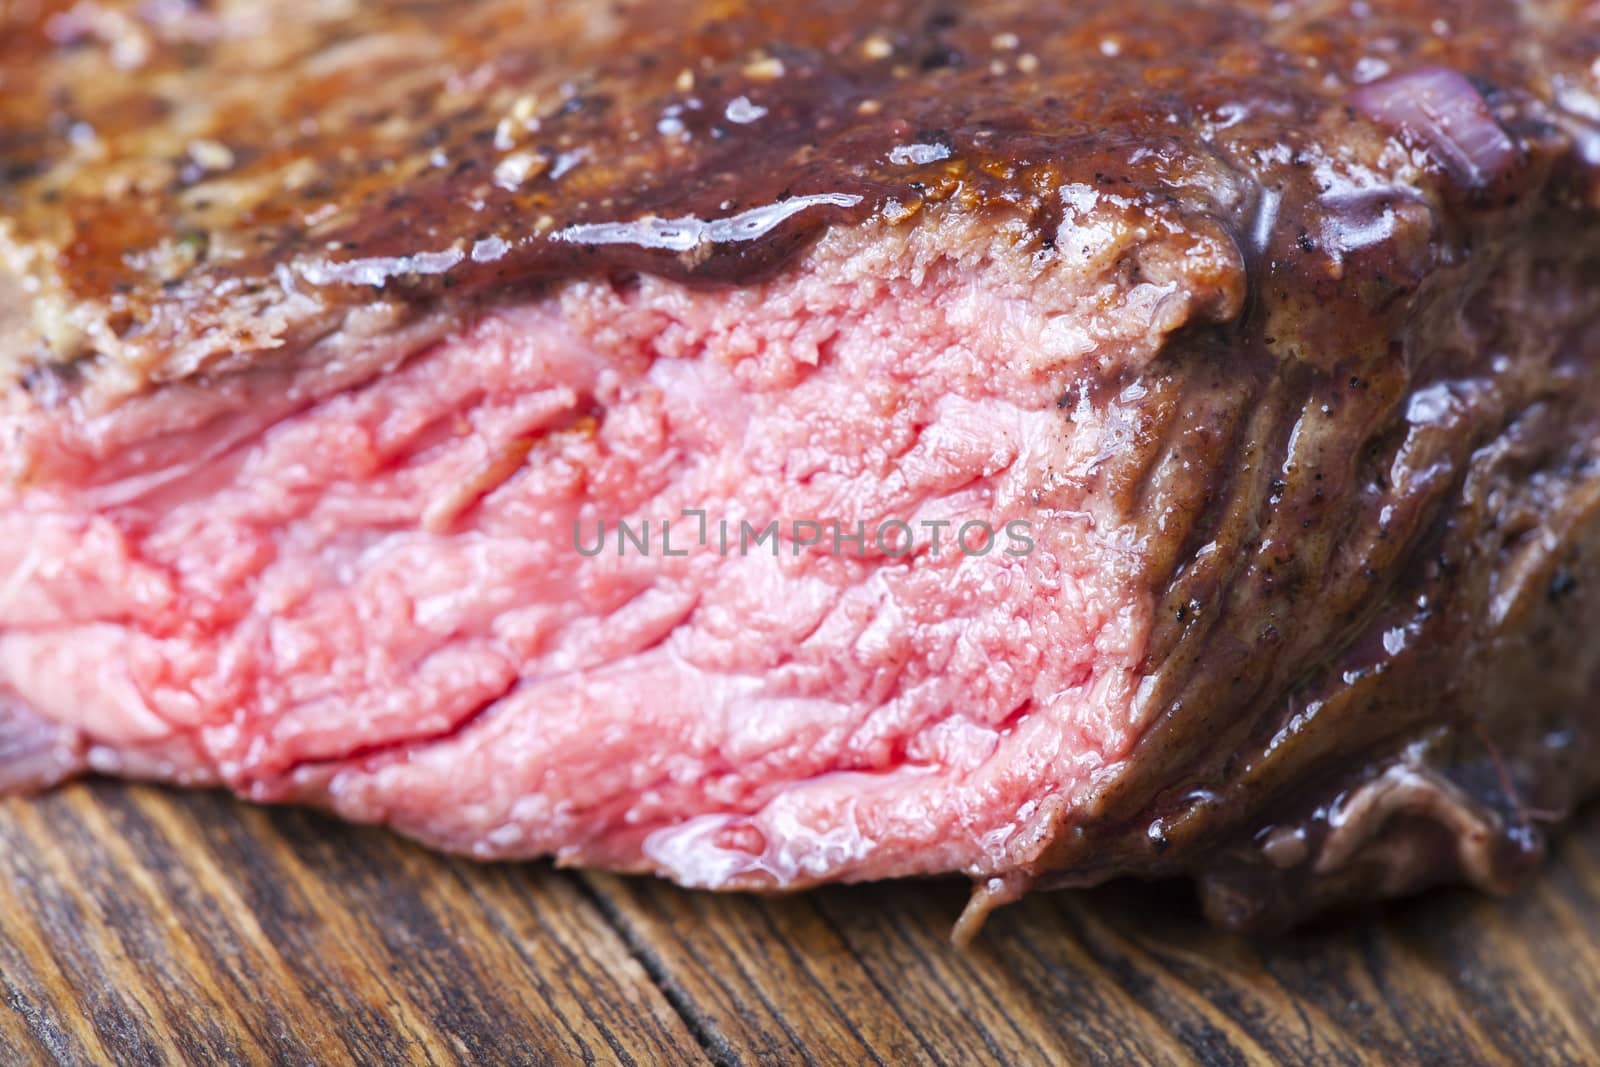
[{"x": 321, "y": 327}]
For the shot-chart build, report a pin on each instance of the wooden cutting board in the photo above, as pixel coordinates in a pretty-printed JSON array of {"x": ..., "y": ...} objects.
[{"x": 146, "y": 927}]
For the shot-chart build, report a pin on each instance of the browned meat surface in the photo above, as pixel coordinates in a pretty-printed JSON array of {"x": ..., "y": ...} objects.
[{"x": 326, "y": 331}]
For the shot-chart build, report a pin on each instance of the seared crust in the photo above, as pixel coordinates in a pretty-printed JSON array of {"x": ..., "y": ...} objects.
[
  {"x": 193, "y": 188},
  {"x": 1374, "y": 665}
]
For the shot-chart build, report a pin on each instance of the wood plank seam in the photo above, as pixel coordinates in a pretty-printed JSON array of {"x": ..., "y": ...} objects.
[{"x": 716, "y": 1049}]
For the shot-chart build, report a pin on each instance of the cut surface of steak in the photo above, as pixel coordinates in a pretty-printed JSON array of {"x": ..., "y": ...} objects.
[{"x": 765, "y": 447}]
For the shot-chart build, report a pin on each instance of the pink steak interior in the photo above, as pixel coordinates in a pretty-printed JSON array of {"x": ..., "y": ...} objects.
[{"x": 371, "y": 583}]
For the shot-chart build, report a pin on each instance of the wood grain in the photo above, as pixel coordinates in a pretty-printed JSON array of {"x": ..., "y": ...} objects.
[{"x": 148, "y": 927}]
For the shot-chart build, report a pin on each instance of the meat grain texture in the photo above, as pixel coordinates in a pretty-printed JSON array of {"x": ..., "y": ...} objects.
[{"x": 1263, "y": 336}]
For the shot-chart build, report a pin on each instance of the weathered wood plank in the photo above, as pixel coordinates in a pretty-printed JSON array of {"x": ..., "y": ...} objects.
[
  {"x": 141, "y": 927},
  {"x": 1129, "y": 974},
  {"x": 763, "y": 976},
  {"x": 879, "y": 956}
]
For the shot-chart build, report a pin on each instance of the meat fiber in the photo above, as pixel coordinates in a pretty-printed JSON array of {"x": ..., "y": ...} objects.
[{"x": 767, "y": 447}]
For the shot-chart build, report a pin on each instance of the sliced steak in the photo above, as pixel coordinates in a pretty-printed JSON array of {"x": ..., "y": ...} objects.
[{"x": 767, "y": 446}]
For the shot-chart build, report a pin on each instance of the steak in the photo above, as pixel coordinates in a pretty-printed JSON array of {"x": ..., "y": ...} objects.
[{"x": 765, "y": 445}]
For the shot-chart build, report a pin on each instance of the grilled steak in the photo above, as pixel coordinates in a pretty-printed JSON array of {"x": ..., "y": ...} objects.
[{"x": 766, "y": 444}]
